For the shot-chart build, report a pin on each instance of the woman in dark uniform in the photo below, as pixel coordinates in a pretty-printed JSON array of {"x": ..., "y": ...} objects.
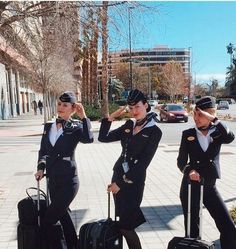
[
  {"x": 199, "y": 158},
  {"x": 139, "y": 138},
  {"x": 56, "y": 155}
]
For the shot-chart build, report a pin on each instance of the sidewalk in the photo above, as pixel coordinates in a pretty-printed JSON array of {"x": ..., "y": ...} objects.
[{"x": 160, "y": 204}]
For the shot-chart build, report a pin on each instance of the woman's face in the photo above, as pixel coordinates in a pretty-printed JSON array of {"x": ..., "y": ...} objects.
[
  {"x": 200, "y": 119},
  {"x": 139, "y": 110},
  {"x": 64, "y": 109}
]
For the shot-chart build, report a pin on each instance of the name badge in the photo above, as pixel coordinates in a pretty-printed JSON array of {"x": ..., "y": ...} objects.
[{"x": 125, "y": 166}]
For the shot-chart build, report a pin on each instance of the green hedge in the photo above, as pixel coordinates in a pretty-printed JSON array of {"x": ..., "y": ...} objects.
[
  {"x": 121, "y": 102},
  {"x": 233, "y": 213},
  {"x": 95, "y": 113}
]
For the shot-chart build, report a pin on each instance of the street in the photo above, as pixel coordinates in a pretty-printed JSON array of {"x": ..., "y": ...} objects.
[{"x": 172, "y": 131}]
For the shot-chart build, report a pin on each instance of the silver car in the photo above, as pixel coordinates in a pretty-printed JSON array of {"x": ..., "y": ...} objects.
[{"x": 223, "y": 105}]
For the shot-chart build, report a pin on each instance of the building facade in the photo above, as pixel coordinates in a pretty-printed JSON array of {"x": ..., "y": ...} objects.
[
  {"x": 159, "y": 55},
  {"x": 16, "y": 95},
  {"x": 146, "y": 58}
]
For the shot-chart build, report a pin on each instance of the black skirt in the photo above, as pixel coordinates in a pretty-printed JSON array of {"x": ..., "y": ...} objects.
[{"x": 127, "y": 204}]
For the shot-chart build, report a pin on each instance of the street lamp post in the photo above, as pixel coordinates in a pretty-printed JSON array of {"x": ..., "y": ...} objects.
[
  {"x": 190, "y": 75},
  {"x": 149, "y": 76},
  {"x": 130, "y": 51}
]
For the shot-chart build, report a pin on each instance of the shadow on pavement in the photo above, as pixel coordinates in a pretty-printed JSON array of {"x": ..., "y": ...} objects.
[{"x": 159, "y": 217}]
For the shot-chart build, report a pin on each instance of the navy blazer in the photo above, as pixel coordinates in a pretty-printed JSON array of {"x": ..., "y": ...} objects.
[
  {"x": 141, "y": 148},
  {"x": 191, "y": 156},
  {"x": 59, "y": 159}
]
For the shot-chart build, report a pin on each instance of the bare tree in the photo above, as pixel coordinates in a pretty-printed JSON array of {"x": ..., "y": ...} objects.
[
  {"x": 47, "y": 38},
  {"x": 200, "y": 90},
  {"x": 47, "y": 18},
  {"x": 121, "y": 72},
  {"x": 173, "y": 80},
  {"x": 140, "y": 76}
]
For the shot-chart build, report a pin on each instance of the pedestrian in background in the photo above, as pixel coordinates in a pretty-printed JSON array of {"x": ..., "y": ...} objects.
[
  {"x": 40, "y": 106},
  {"x": 34, "y": 107},
  {"x": 139, "y": 138},
  {"x": 199, "y": 158},
  {"x": 56, "y": 155}
]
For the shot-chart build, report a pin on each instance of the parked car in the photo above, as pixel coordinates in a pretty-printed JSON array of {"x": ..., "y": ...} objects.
[
  {"x": 153, "y": 103},
  {"x": 230, "y": 100},
  {"x": 223, "y": 105},
  {"x": 173, "y": 112},
  {"x": 185, "y": 100}
]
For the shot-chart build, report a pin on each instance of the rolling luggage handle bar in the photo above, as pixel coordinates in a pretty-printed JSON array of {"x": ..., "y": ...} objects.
[
  {"x": 109, "y": 206},
  {"x": 40, "y": 192},
  {"x": 200, "y": 208},
  {"x": 38, "y": 202}
]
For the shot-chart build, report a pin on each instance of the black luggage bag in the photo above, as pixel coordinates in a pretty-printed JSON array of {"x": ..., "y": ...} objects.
[
  {"x": 28, "y": 209},
  {"x": 187, "y": 242},
  {"x": 31, "y": 210},
  {"x": 30, "y": 237},
  {"x": 101, "y": 234}
]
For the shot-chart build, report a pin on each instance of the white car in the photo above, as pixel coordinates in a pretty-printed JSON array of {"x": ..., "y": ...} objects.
[
  {"x": 223, "y": 105},
  {"x": 153, "y": 103}
]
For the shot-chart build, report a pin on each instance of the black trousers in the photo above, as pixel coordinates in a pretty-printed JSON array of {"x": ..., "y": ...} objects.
[
  {"x": 61, "y": 197},
  {"x": 216, "y": 207}
]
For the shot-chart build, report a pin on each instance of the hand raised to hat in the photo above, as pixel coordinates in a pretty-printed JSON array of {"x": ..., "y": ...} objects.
[
  {"x": 117, "y": 113},
  {"x": 79, "y": 109},
  {"x": 199, "y": 112}
]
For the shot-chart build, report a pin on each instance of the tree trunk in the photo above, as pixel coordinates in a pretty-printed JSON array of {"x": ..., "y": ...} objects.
[
  {"x": 95, "y": 65},
  {"x": 105, "y": 110},
  {"x": 44, "y": 103}
]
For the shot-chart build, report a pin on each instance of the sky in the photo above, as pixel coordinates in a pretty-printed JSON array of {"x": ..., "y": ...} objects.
[{"x": 205, "y": 26}]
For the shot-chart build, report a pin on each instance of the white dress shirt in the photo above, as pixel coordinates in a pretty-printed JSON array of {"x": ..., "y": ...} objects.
[
  {"x": 204, "y": 140},
  {"x": 54, "y": 133}
]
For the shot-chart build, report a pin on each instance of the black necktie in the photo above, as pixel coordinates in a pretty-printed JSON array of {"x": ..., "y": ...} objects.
[
  {"x": 60, "y": 121},
  {"x": 66, "y": 124},
  {"x": 147, "y": 119}
]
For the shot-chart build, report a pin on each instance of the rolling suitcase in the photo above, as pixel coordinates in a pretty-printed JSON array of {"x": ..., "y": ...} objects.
[
  {"x": 187, "y": 242},
  {"x": 101, "y": 234},
  {"x": 29, "y": 232}
]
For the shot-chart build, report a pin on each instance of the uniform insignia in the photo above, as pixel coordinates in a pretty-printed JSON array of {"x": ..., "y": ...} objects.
[
  {"x": 127, "y": 130},
  {"x": 190, "y": 138},
  {"x": 145, "y": 135}
]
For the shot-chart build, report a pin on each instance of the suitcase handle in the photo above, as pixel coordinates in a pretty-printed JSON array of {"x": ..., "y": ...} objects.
[
  {"x": 109, "y": 205},
  {"x": 42, "y": 193},
  {"x": 200, "y": 207}
]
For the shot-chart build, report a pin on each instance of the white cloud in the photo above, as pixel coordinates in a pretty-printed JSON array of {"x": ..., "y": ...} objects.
[{"x": 205, "y": 78}]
